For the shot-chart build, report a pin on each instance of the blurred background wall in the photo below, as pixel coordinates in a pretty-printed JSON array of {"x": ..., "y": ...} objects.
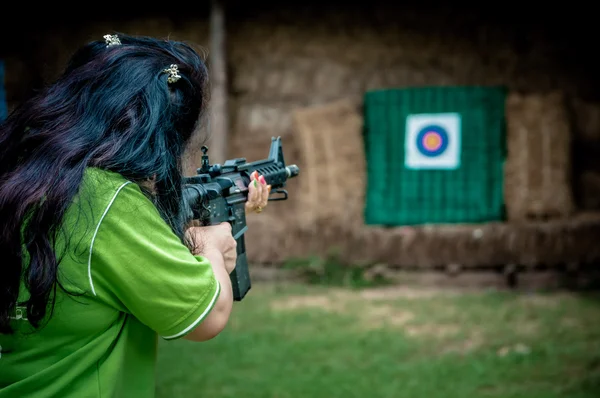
[{"x": 304, "y": 71}]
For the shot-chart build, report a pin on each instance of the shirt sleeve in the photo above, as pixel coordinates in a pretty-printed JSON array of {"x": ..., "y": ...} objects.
[{"x": 140, "y": 266}]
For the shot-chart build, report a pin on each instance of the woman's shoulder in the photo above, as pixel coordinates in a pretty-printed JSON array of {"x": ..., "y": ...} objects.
[
  {"x": 105, "y": 201},
  {"x": 102, "y": 177},
  {"x": 104, "y": 182},
  {"x": 103, "y": 189}
]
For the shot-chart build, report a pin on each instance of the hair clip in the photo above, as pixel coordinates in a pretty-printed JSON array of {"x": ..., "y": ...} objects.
[
  {"x": 111, "y": 40},
  {"x": 173, "y": 73}
]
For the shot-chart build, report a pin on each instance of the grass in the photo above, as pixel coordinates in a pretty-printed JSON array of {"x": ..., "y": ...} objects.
[{"x": 312, "y": 341}]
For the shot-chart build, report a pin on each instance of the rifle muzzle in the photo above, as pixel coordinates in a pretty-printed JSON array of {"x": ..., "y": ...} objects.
[{"x": 292, "y": 171}]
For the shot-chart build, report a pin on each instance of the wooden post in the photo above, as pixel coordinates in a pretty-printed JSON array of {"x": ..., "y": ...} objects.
[{"x": 219, "y": 118}]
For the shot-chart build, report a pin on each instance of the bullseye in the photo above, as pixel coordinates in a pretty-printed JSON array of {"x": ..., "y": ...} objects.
[{"x": 432, "y": 140}]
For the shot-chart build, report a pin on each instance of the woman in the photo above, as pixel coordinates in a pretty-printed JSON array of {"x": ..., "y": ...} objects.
[{"x": 96, "y": 257}]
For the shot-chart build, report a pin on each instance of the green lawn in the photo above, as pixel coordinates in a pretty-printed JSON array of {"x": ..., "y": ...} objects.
[{"x": 300, "y": 341}]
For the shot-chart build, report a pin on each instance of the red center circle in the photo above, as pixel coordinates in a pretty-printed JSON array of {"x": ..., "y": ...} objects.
[{"x": 432, "y": 141}]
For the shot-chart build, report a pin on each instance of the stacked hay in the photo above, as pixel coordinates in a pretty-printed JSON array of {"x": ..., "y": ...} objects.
[
  {"x": 332, "y": 161},
  {"x": 533, "y": 244},
  {"x": 586, "y": 116},
  {"x": 589, "y": 189},
  {"x": 538, "y": 166}
]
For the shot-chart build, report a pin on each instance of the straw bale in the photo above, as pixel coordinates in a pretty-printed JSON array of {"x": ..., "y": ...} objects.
[
  {"x": 332, "y": 161},
  {"x": 253, "y": 125},
  {"x": 534, "y": 243},
  {"x": 273, "y": 236},
  {"x": 538, "y": 167},
  {"x": 586, "y": 116},
  {"x": 589, "y": 190},
  {"x": 294, "y": 78},
  {"x": 253, "y": 120}
]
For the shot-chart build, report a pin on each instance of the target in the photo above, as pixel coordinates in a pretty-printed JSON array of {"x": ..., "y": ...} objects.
[{"x": 432, "y": 141}]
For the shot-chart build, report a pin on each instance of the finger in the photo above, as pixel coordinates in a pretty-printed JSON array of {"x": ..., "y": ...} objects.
[
  {"x": 265, "y": 195},
  {"x": 253, "y": 196},
  {"x": 259, "y": 182},
  {"x": 251, "y": 206},
  {"x": 252, "y": 186},
  {"x": 264, "y": 192},
  {"x": 260, "y": 189}
]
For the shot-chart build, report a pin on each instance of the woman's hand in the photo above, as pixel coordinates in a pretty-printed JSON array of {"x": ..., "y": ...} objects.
[
  {"x": 258, "y": 193},
  {"x": 215, "y": 241}
]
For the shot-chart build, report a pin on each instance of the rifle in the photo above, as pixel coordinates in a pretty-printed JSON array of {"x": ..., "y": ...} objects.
[{"x": 218, "y": 193}]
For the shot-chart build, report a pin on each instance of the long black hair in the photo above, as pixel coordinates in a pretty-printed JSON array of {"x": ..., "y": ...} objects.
[{"x": 112, "y": 108}]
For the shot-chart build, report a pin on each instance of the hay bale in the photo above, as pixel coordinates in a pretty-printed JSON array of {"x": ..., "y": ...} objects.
[
  {"x": 589, "y": 190},
  {"x": 256, "y": 120},
  {"x": 533, "y": 244},
  {"x": 538, "y": 167},
  {"x": 333, "y": 165},
  {"x": 586, "y": 117},
  {"x": 271, "y": 241}
]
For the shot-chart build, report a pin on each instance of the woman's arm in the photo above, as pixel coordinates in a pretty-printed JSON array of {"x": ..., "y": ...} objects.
[
  {"x": 218, "y": 317},
  {"x": 219, "y": 248}
]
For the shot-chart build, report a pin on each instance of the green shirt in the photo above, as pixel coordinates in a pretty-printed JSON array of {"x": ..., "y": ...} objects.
[{"x": 133, "y": 281}]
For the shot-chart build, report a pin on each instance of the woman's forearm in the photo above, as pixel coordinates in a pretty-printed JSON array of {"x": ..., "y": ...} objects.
[
  {"x": 218, "y": 317},
  {"x": 224, "y": 302}
]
